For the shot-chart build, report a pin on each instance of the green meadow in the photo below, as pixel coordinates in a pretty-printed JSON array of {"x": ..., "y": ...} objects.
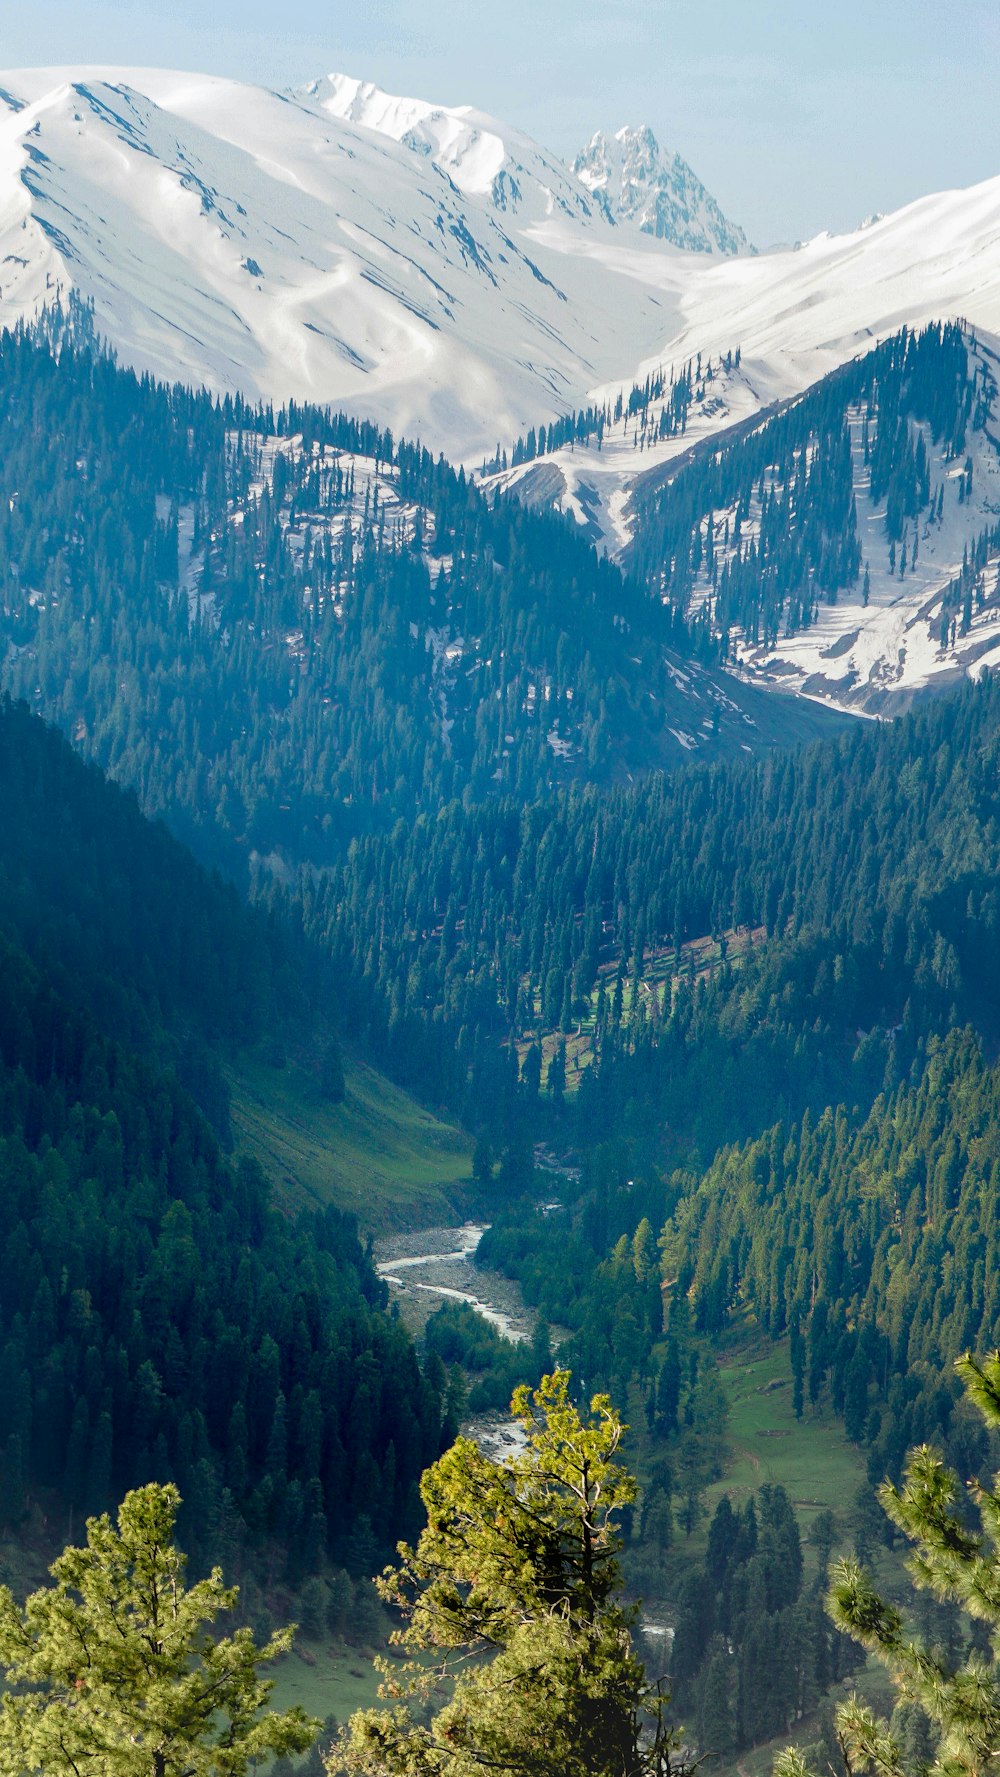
[{"x": 378, "y": 1154}]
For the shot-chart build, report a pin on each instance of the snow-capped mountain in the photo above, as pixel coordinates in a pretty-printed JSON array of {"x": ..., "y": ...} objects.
[
  {"x": 421, "y": 264},
  {"x": 432, "y": 269},
  {"x": 637, "y": 181},
  {"x": 795, "y": 315},
  {"x": 887, "y": 637},
  {"x": 429, "y": 267},
  {"x": 335, "y": 244},
  {"x": 483, "y": 158},
  {"x": 887, "y": 640}
]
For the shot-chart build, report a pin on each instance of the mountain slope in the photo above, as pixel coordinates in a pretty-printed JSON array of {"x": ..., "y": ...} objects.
[
  {"x": 261, "y": 241},
  {"x": 799, "y": 313},
  {"x": 847, "y": 546},
  {"x": 317, "y": 632},
  {"x": 483, "y": 158},
  {"x": 423, "y": 264},
  {"x": 771, "y": 325},
  {"x": 698, "y": 490},
  {"x": 159, "y": 1315},
  {"x": 637, "y": 181}
]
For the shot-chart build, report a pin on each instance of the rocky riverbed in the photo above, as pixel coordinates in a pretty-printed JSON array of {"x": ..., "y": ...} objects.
[{"x": 435, "y": 1265}]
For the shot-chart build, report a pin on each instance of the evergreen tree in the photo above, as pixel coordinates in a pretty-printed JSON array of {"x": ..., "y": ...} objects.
[
  {"x": 957, "y": 1698},
  {"x": 513, "y": 1589},
  {"x": 116, "y": 1671},
  {"x": 716, "y": 1728}
]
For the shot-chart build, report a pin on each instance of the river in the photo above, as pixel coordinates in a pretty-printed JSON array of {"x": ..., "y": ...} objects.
[{"x": 435, "y": 1265}]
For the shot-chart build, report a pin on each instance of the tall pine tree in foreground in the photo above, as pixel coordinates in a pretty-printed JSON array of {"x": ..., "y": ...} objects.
[
  {"x": 511, "y": 1605},
  {"x": 958, "y": 1564},
  {"x": 117, "y": 1674}
]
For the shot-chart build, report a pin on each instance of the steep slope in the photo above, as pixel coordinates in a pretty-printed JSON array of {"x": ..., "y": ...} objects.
[
  {"x": 847, "y": 546},
  {"x": 637, "y": 181},
  {"x": 264, "y": 242},
  {"x": 318, "y": 632},
  {"x": 766, "y": 327},
  {"x": 482, "y": 157},
  {"x": 426, "y": 265},
  {"x": 924, "y": 608},
  {"x": 797, "y": 314},
  {"x": 716, "y": 521},
  {"x": 159, "y": 1315}
]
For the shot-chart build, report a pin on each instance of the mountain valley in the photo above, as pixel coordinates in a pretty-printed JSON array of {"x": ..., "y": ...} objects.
[{"x": 499, "y": 738}]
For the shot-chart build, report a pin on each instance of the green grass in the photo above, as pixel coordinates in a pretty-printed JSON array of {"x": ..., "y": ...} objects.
[
  {"x": 326, "y": 1678},
  {"x": 379, "y": 1154},
  {"x": 872, "y": 1685},
  {"x": 700, "y": 960},
  {"x": 810, "y": 1457},
  {"x": 818, "y": 1466},
  {"x": 329, "y": 1678}
]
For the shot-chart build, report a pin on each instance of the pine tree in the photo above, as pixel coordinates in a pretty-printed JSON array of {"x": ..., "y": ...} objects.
[
  {"x": 555, "y": 1077},
  {"x": 116, "y": 1672},
  {"x": 512, "y": 1590},
  {"x": 958, "y": 1565},
  {"x": 716, "y": 1727}
]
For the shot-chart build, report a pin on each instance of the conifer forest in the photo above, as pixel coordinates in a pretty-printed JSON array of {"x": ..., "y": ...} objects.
[{"x": 328, "y": 768}]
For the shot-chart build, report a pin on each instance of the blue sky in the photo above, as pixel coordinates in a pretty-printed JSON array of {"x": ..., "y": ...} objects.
[{"x": 798, "y": 115}]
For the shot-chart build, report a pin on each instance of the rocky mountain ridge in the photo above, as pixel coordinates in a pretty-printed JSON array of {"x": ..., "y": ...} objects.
[{"x": 635, "y": 181}]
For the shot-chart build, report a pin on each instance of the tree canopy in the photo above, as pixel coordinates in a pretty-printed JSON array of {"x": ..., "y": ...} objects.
[
  {"x": 511, "y": 1602},
  {"x": 117, "y": 1672},
  {"x": 161, "y": 1317}
]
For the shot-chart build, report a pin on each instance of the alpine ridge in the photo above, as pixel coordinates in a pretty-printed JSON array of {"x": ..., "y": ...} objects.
[
  {"x": 333, "y": 244},
  {"x": 424, "y": 265},
  {"x": 428, "y": 268}
]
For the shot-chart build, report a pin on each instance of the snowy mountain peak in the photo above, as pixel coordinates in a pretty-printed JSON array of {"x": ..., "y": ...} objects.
[
  {"x": 482, "y": 158},
  {"x": 421, "y": 265},
  {"x": 449, "y": 135},
  {"x": 635, "y": 180}
]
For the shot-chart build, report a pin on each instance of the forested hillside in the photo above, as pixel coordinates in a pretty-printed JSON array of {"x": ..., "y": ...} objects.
[
  {"x": 864, "y": 872},
  {"x": 165, "y": 958},
  {"x": 754, "y": 534},
  {"x": 286, "y": 630},
  {"x": 159, "y": 1316},
  {"x": 746, "y": 1003},
  {"x": 863, "y": 1233},
  {"x": 844, "y": 543},
  {"x": 194, "y": 591},
  {"x": 873, "y": 1238},
  {"x": 284, "y": 666}
]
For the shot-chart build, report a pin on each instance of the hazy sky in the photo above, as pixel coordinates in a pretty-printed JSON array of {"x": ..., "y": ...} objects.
[{"x": 798, "y": 114}]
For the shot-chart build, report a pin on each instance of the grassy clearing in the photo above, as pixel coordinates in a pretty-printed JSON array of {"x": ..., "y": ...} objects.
[
  {"x": 379, "y": 1154},
  {"x": 329, "y": 1678},
  {"x": 700, "y": 959},
  {"x": 326, "y": 1678},
  {"x": 820, "y": 1469},
  {"x": 810, "y": 1457}
]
